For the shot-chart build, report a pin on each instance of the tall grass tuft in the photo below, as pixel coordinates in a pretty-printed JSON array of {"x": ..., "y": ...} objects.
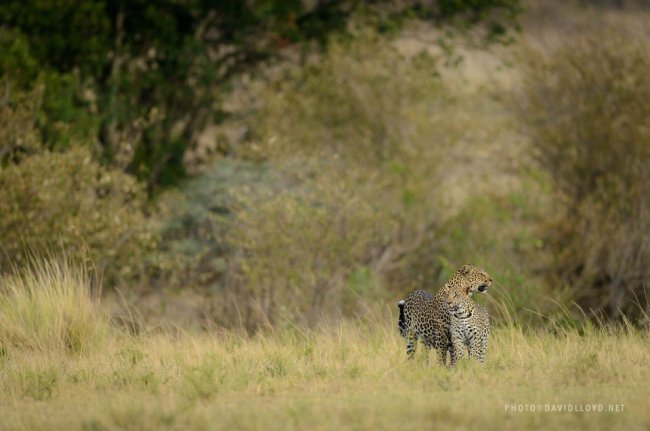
[{"x": 48, "y": 306}]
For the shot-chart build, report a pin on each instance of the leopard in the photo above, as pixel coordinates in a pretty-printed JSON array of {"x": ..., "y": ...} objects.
[
  {"x": 426, "y": 317},
  {"x": 469, "y": 328}
]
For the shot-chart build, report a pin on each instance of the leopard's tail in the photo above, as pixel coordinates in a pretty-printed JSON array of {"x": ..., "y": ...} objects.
[{"x": 402, "y": 323}]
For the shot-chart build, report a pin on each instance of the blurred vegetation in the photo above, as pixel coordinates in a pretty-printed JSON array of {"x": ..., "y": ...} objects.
[
  {"x": 67, "y": 201},
  {"x": 78, "y": 206},
  {"x": 586, "y": 107},
  {"x": 336, "y": 209},
  {"x": 140, "y": 81},
  {"x": 357, "y": 171},
  {"x": 101, "y": 101},
  {"x": 325, "y": 209}
]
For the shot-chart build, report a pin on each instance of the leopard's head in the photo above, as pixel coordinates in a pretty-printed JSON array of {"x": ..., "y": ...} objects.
[
  {"x": 470, "y": 279},
  {"x": 459, "y": 304}
]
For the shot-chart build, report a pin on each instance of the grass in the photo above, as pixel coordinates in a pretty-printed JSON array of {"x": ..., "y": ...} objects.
[
  {"x": 351, "y": 375},
  {"x": 48, "y": 307}
]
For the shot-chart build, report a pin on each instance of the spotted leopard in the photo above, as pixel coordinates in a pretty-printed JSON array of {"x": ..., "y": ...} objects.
[
  {"x": 426, "y": 317},
  {"x": 469, "y": 328}
]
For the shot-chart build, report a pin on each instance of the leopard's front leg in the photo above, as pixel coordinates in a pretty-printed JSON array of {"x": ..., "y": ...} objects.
[
  {"x": 478, "y": 346},
  {"x": 456, "y": 349}
]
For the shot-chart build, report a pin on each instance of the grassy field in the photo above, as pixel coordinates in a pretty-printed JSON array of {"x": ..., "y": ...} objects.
[
  {"x": 83, "y": 374},
  {"x": 354, "y": 376}
]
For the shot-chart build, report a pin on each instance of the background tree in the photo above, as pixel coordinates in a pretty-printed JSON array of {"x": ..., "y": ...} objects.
[{"x": 140, "y": 79}]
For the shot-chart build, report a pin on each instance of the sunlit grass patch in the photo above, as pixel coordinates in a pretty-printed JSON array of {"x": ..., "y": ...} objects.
[
  {"x": 49, "y": 307},
  {"x": 348, "y": 375}
]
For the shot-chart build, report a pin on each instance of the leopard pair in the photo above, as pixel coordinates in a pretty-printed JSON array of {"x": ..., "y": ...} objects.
[{"x": 449, "y": 321}]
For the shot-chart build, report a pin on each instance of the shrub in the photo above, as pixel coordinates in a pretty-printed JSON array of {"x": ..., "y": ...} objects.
[
  {"x": 297, "y": 241},
  {"x": 193, "y": 251},
  {"x": 586, "y": 108},
  {"x": 69, "y": 201},
  {"x": 19, "y": 135}
]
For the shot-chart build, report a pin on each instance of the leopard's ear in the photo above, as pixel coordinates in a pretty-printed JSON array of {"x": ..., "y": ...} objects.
[{"x": 466, "y": 269}]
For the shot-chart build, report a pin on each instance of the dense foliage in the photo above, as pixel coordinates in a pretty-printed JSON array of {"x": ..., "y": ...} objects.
[
  {"x": 360, "y": 167},
  {"x": 141, "y": 79},
  {"x": 586, "y": 107}
]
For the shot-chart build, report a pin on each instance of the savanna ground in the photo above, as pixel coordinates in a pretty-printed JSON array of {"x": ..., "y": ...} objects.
[
  {"x": 353, "y": 376},
  {"x": 72, "y": 370},
  {"x": 260, "y": 291}
]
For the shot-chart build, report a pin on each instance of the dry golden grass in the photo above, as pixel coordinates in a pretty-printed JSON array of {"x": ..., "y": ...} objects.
[
  {"x": 48, "y": 308},
  {"x": 352, "y": 376}
]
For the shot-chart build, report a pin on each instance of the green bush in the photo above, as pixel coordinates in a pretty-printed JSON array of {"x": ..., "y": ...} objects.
[
  {"x": 586, "y": 108},
  {"x": 67, "y": 201},
  {"x": 19, "y": 135}
]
